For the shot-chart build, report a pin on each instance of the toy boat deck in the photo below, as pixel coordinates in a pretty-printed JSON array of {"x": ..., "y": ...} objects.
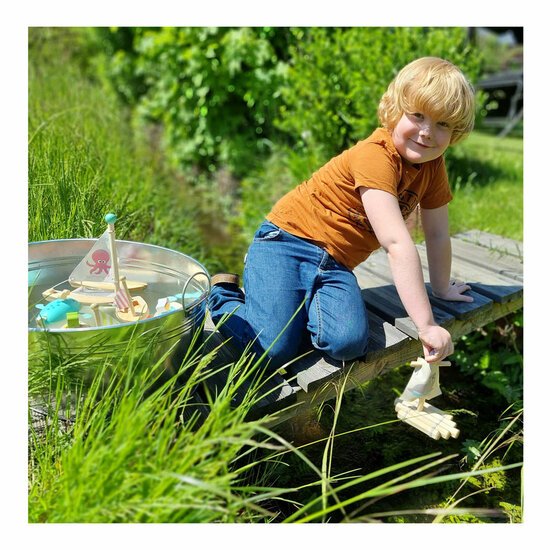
[{"x": 92, "y": 292}]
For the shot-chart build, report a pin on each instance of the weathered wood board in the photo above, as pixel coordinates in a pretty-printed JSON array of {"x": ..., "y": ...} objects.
[
  {"x": 483, "y": 280},
  {"x": 508, "y": 247},
  {"x": 379, "y": 262},
  {"x": 501, "y": 263},
  {"x": 380, "y": 295}
]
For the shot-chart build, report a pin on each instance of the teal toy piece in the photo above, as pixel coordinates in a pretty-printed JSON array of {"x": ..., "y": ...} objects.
[
  {"x": 57, "y": 310},
  {"x": 110, "y": 218}
]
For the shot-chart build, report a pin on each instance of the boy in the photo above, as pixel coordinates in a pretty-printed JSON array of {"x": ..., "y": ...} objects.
[{"x": 298, "y": 275}]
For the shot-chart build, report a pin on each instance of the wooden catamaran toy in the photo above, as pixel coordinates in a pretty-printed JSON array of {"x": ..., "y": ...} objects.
[
  {"x": 97, "y": 282},
  {"x": 412, "y": 408}
]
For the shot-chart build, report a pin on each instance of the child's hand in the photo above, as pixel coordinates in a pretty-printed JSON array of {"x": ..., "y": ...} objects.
[
  {"x": 454, "y": 293},
  {"x": 437, "y": 343}
]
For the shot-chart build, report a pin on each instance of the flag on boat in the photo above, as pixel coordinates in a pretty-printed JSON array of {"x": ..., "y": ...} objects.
[
  {"x": 97, "y": 265},
  {"x": 121, "y": 300}
]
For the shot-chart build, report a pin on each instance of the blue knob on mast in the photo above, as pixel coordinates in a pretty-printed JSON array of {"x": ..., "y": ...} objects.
[{"x": 110, "y": 218}]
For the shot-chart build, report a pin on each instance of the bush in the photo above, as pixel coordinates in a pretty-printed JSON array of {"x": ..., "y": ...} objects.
[
  {"x": 214, "y": 90},
  {"x": 337, "y": 77},
  {"x": 494, "y": 356}
]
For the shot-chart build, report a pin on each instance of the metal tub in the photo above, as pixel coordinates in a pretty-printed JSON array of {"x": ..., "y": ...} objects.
[{"x": 166, "y": 272}]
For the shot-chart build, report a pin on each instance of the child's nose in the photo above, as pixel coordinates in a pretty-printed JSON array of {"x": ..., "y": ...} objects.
[{"x": 426, "y": 130}]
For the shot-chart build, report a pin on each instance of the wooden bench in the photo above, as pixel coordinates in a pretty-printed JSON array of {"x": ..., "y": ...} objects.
[{"x": 491, "y": 265}]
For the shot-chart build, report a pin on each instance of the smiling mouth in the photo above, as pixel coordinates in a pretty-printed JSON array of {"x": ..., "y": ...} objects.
[{"x": 421, "y": 144}]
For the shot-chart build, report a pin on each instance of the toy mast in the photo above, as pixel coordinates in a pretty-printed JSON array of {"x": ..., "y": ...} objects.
[{"x": 111, "y": 219}]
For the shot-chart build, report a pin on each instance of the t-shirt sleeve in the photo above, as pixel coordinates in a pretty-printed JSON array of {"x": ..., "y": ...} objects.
[
  {"x": 371, "y": 165},
  {"x": 438, "y": 193}
]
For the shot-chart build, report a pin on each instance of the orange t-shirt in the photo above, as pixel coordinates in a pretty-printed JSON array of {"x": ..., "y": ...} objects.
[{"x": 327, "y": 208}]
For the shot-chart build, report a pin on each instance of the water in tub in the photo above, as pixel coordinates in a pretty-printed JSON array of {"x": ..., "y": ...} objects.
[{"x": 161, "y": 298}]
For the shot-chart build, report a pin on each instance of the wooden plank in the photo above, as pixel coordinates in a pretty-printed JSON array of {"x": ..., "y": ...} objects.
[
  {"x": 492, "y": 242},
  {"x": 315, "y": 378},
  {"x": 460, "y": 310},
  {"x": 498, "y": 261},
  {"x": 381, "y": 297},
  {"x": 316, "y": 368},
  {"x": 483, "y": 280}
]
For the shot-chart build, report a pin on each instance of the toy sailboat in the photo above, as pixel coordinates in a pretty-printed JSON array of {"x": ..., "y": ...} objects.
[
  {"x": 97, "y": 281},
  {"x": 412, "y": 407}
]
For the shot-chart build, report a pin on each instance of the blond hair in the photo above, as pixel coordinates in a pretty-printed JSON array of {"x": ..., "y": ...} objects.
[{"x": 434, "y": 87}]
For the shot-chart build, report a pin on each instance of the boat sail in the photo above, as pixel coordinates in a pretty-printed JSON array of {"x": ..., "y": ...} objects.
[
  {"x": 423, "y": 384},
  {"x": 96, "y": 278},
  {"x": 95, "y": 270},
  {"x": 99, "y": 268}
]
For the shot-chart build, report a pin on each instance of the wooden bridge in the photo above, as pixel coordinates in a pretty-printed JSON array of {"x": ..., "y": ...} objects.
[{"x": 491, "y": 265}]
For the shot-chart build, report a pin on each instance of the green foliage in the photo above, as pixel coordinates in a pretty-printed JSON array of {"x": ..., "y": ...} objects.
[
  {"x": 493, "y": 356},
  {"x": 498, "y": 56},
  {"x": 337, "y": 77},
  {"x": 214, "y": 90},
  {"x": 471, "y": 450},
  {"x": 117, "y": 62},
  {"x": 224, "y": 96},
  {"x": 513, "y": 511}
]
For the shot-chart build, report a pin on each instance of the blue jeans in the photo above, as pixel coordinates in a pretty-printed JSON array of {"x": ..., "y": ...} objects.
[{"x": 284, "y": 275}]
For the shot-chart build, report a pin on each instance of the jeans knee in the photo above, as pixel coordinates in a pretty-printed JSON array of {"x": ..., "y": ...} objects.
[{"x": 344, "y": 347}]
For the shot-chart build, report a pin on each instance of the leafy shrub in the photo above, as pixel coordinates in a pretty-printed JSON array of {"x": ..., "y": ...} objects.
[
  {"x": 214, "y": 90},
  {"x": 493, "y": 356},
  {"x": 337, "y": 77}
]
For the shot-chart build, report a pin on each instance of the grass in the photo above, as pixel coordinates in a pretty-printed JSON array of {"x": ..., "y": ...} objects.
[
  {"x": 129, "y": 457},
  {"x": 140, "y": 453},
  {"x": 81, "y": 162},
  {"x": 137, "y": 451},
  {"x": 85, "y": 160},
  {"x": 486, "y": 175}
]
